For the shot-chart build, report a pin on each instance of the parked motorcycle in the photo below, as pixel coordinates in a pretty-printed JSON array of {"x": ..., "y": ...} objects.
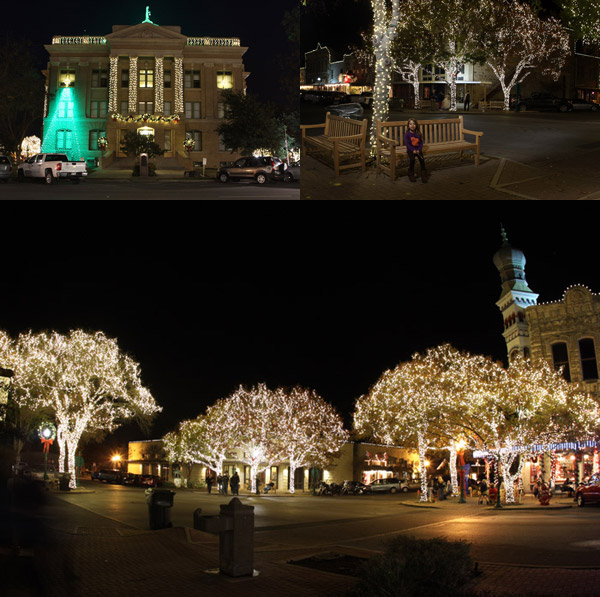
[
  {"x": 353, "y": 488},
  {"x": 323, "y": 489}
]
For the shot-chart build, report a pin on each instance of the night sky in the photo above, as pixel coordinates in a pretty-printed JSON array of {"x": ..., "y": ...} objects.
[
  {"x": 205, "y": 300},
  {"x": 258, "y": 27}
]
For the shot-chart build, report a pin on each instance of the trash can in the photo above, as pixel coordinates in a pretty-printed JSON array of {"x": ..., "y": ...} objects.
[
  {"x": 159, "y": 501},
  {"x": 63, "y": 483}
]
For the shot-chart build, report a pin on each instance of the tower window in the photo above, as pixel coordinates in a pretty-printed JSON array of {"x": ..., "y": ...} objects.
[
  {"x": 560, "y": 357},
  {"x": 587, "y": 353}
]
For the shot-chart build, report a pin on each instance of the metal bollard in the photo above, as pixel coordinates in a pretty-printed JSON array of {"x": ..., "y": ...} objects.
[{"x": 235, "y": 527}]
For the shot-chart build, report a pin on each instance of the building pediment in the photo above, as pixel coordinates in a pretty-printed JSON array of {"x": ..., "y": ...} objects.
[{"x": 144, "y": 32}]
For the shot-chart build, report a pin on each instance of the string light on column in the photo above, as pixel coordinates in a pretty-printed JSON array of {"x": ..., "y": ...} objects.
[
  {"x": 159, "y": 85},
  {"x": 179, "y": 85},
  {"x": 112, "y": 83},
  {"x": 133, "y": 84}
]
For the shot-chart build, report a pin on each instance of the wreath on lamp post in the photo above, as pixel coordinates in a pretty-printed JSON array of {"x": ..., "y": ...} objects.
[{"x": 189, "y": 144}]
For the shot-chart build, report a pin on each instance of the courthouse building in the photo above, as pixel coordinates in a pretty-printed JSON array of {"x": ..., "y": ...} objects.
[{"x": 145, "y": 78}]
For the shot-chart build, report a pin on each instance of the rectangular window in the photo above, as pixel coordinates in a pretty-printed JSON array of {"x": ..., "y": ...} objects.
[
  {"x": 222, "y": 146},
  {"x": 587, "y": 352},
  {"x": 191, "y": 79},
  {"x": 125, "y": 78},
  {"x": 93, "y": 144},
  {"x": 224, "y": 79},
  {"x": 145, "y": 107},
  {"x": 167, "y": 79},
  {"x": 197, "y": 137},
  {"x": 98, "y": 109},
  {"x": 99, "y": 78},
  {"x": 560, "y": 357},
  {"x": 66, "y": 77},
  {"x": 167, "y": 109},
  {"x": 65, "y": 109},
  {"x": 124, "y": 107},
  {"x": 146, "y": 78},
  {"x": 192, "y": 110},
  {"x": 221, "y": 110},
  {"x": 167, "y": 146},
  {"x": 64, "y": 140}
]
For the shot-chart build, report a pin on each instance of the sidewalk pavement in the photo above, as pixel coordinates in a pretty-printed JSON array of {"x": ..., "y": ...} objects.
[
  {"x": 109, "y": 174},
  {"x": 82, "y": 553},
  {"x": 495, "y": 178}
]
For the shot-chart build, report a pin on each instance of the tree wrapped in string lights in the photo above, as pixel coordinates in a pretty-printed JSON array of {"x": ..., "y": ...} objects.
[
  {"x": 311, "y": 430},
  {"x": 527, "y": 404},
  {"x": 583, "y": 18},
  {"x": 86, "y": 382},
  {"x": 516, "y": 42},
  {"x": 385, "y": 25},
  {"x": 408, "y": 406},
  {"x": 204, "y": 440},
  {"x": 255, "y": 414}
]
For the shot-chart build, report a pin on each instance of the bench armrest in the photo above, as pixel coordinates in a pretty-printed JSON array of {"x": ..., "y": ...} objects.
[
  {"x": 387, "y": 141},
  {"x": 311, "y": 126},
  {"x": 476, "y": 133}
]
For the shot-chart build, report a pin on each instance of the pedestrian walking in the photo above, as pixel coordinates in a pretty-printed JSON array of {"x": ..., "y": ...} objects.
[
  {"x": 220, "y": 483},
  {"x": 467, "y": 101},
  {"x": 209, "y": 480},
  {"x": 235, "y": 483},
  {"x": 226, "y": 484},
  {"x": 483, "y": 492},
  {"x": 414, "y": 148}
]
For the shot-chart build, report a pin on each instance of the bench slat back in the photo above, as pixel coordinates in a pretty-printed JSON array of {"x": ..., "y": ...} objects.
[
  {"x": 443, "y": 130},
  {"x": 338, "y": 126}
]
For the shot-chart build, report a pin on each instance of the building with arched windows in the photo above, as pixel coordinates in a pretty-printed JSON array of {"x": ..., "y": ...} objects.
[
  {"x": 145, "y": 78},
  {"x": 564, "y": 333}
]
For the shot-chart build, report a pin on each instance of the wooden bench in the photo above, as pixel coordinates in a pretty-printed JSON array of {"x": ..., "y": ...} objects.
[
  {"x": 445, "y": 135},
  {"x": 496, "y": 105},
  {"x": 343, "y": 138}
]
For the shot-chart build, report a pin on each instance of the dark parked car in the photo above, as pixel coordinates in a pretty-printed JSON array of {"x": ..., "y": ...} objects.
[
  {"x": 589, "y": 491},
  {"x": 150, "y": 481},
  {"x": 287, "y": 173},
  {"x": 5, "y": 168},
  {"x": 544, "y": 101},
  {"x": 109, "y": 475},
  {"x": 259, "y": 169},
  {"x": 582, "y": 105}
]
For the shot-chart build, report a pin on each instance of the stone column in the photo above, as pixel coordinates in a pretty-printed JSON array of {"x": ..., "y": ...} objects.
[{"x": 133, "y": 85}]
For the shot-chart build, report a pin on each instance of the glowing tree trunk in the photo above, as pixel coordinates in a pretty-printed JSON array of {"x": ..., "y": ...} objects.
[
  {"x": 453, "y": 473},
  {"x": 422, "y": 447},
  {"x": 384, "y": 33},
  {"x": 409, "y": 71},
  {"x": 62, "y": 447}
]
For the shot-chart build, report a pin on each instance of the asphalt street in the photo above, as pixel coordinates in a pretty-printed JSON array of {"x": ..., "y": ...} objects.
[{"x": 564, "y": 537}]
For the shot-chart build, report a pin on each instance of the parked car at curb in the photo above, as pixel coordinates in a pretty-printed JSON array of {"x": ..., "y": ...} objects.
[
  {"x": 287, "y": 173},
  {"x": 589, "y": 491},
  {"x": 255, "y": 168},
  {"x": 544, "y": 101},
  {"x": 581, "y": 105},
  {"x": 51, "y": 167},
  {"x": 5, "y": 168},
  {"x": 391, "y": 485},
  {"x": 109, "y": 476}
]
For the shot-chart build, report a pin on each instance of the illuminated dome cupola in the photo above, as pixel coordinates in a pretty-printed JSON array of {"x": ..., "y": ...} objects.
[{"x": 515, "y": 297}]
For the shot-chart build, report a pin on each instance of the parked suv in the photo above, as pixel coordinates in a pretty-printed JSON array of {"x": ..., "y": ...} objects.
[
  {"x": 5, "y": 168},
  {"x": 259, "y": 169},
  {"x": 390, "y": 484},
  {"x": 544, "y": 101}
]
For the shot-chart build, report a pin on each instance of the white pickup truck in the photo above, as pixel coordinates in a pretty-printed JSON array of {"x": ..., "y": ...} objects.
[{"x": 51, "y": 167}]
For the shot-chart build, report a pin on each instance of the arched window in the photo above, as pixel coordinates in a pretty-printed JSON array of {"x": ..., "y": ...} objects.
[
  {"x": 560, "y": 356},
  {"x": 587, "y": 353}
]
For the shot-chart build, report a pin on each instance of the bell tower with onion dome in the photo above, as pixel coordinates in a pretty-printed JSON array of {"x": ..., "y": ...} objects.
[{"x": 514, "y": 299}]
